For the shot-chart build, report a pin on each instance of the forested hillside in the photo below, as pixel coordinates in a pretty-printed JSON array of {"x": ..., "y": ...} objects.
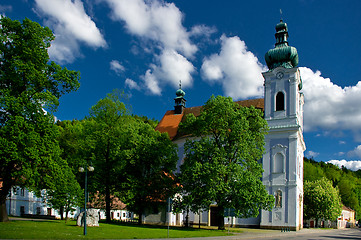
[{"x": 348, "y": 182}]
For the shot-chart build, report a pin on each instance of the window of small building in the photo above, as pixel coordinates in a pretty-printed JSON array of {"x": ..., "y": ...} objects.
[{"x": 280, "y": 101}]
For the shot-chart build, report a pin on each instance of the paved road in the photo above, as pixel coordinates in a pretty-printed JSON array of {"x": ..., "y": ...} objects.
[
  {"x": 348, "y": 233},
  {"x": 305, "y": 234}
]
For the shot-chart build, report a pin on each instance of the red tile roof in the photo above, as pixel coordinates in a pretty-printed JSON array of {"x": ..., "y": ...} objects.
[{"x": 170, "y": 121}]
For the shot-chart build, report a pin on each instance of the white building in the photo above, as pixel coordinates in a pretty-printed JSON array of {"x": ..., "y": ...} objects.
[
  {"x": 283, "y": 159},
  {"x": 21, "y": 202}
]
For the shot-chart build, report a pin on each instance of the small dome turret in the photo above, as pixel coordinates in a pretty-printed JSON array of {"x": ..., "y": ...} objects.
[
  {"x": 180, "y": 93},
  {"x": 282, "y": 54},
  {"x": 180, "y": 102}
]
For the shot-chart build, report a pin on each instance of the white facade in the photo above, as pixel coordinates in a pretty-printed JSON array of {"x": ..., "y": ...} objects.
[
  {"x": 21, "y": 201},
  {"x": 284, "y": 144}
]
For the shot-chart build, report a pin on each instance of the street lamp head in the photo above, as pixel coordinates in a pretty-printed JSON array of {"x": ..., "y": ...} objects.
[
  {"x": 90, "y": 168},
  {"x": 81, "y": 169}
]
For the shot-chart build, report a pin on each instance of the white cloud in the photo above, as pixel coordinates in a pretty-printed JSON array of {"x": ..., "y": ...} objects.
[
  {"x": 356, "y": 152},
  {"x": 154, "y": 20},
  {"x": 312, "y": 154},
  {"x": 71, "y": 26},
  {"x": 131, "y": 84},
  {"x": 341, "y": 142},
  {"x": 172, "y": 67},
  {"x": 175, "y": 67},
  {"x": 202, "y": 30},
  {"x": 236, "y": 68},
  {"x": 158, "y": 25},
  {"x": 329, "y": 106},
  {"x": 117, "y": 67},
  {"x": 352, "y": 165},
  {"x": 151, "y": 83}
]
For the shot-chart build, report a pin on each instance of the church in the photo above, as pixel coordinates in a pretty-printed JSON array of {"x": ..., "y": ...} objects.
[{"x": 284, "y": 145}]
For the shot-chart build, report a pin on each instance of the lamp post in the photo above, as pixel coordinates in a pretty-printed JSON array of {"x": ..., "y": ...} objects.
[{"x": 81, "y": 169}]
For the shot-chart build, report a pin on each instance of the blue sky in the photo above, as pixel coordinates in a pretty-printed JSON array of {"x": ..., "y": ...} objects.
[{"x": 213, "y": 47}]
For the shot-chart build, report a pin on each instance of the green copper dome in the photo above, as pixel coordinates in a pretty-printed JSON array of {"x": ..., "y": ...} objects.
[
  {"x": 180, "y": 93},
  {"x": 282, "y": 54}
]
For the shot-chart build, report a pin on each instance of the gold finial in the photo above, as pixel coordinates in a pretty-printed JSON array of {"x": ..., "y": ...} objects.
[
  {"x": 281, "y": 13},
  {"x": 180, "y": 84}
]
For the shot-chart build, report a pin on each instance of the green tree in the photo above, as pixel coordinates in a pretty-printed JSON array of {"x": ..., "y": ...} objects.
[
  {"x": 66, "y": 194},
  {"x": 321, "y": 200},
  {"x": 132, "y": 161},
  {"x": 312, "y": 171},
  {"x": 29, "y": 152},
  {"x": 348, "y": 191},
  {"x": 151, "y": 158},
  {"x": 105, "y": 136},
  {"x": 332, "y": 173},
  {"x": 221, "y": 163}
]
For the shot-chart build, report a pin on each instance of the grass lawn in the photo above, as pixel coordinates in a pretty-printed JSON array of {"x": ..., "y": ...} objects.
[{"x": 56, "y": 229}]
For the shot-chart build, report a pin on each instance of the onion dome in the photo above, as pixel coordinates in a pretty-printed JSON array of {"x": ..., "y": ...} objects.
[
  {"x": 180, "y": 93},
  {"x": 180, "y": 102},
  {"x": 282, "y": 54}
]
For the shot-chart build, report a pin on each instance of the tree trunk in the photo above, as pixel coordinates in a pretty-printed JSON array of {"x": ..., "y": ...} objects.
[
  {"x": 221, "y": 218},
  {"x": 107, "y": 185},
  {"x": 66, "y": 215},
  {"x": 187, "y": 219},
  {"x": 107, "y": 204},
  {"x": 199, "y": 219},
  {"x": 6, "y": 186},
  {"x": 3, "y": 213},
  {"x": 140, "y": 215},
  {"x": 61, "y": 211}
]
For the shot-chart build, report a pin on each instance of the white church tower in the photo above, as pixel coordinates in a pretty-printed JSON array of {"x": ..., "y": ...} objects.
[{"x": 283, "y": 158}]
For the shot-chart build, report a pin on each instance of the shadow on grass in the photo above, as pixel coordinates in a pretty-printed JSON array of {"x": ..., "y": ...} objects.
[{"x": 152, "y": 226}]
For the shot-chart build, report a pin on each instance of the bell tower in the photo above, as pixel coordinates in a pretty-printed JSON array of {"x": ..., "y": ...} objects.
[
  {"x": 179, "y": 101},
  {"x": 283, "y": 158}
]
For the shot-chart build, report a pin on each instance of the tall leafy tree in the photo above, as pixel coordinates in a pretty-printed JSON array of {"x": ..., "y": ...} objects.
[
  {"x": 321, "y": 200},
  {"x": 221, "y": 165},
  {"x": 151, "y": 158},
  {"x": 105, "y": 134},
  {"x": 132, "y": 161},
  {"x": 66, "y": 195},
  {"x": 29, "y": 152}
]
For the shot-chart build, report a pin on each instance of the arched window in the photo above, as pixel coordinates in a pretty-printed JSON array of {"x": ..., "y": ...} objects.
[
  {"x": 280, "y": 101},
  {"x": 278, "y": 163}
]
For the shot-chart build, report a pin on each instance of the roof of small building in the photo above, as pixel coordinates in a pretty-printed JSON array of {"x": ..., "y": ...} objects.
[
  {"x": 170, "y": 121},
  {"x": 347, "y": 209}
]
